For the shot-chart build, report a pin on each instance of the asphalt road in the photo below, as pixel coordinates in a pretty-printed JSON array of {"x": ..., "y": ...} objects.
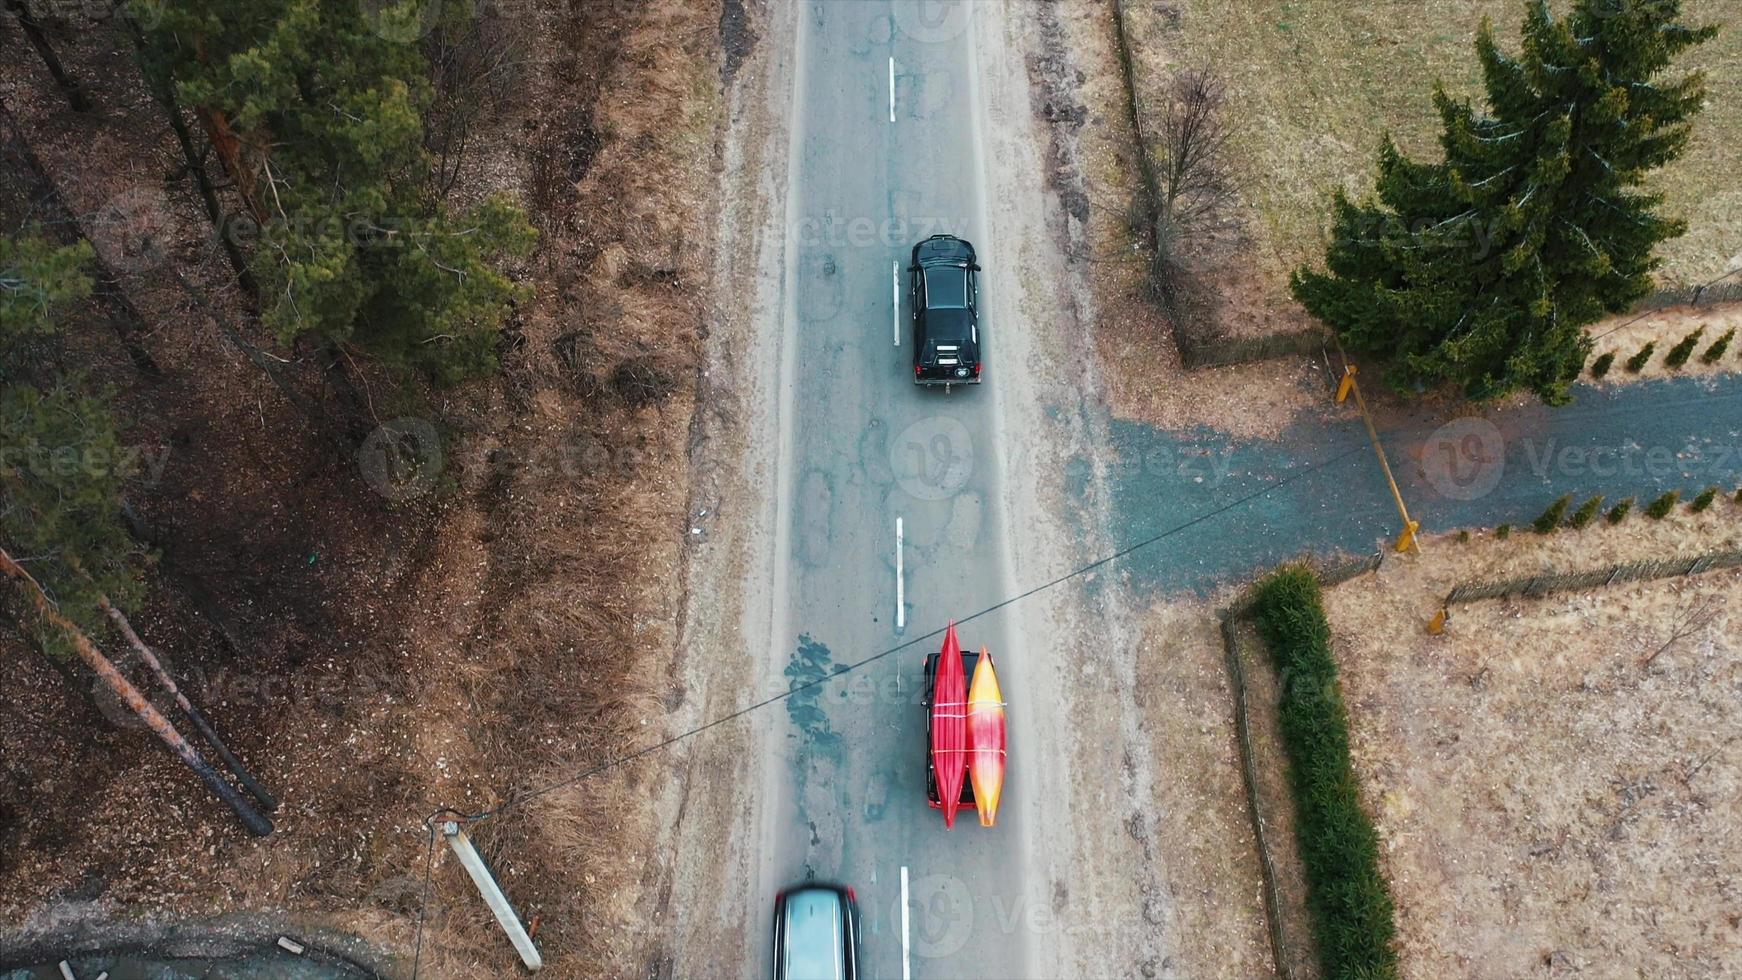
[{"x": 886, "y": 151}]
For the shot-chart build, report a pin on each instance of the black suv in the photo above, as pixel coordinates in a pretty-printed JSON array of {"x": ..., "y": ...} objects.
[
  {"x": 816, "y": 933},
  {"x": 946, "y": 312}
]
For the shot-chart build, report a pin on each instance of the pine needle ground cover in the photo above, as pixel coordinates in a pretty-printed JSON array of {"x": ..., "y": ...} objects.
[
  {"x": 1312, "y": 86},
  {"x": 1347, "y": 896}
]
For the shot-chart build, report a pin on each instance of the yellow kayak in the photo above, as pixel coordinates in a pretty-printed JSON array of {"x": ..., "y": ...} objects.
[{"x": 986, "y": 739}]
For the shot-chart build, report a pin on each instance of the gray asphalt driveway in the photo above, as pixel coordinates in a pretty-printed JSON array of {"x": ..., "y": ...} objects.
[{"x": 1318, "y": 488}]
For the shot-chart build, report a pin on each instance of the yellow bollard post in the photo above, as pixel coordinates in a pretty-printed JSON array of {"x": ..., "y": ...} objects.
[
  {"x": 1407, "y": 538},
  {"x": 1349, "y": 387},
  {"x": 1347, "y": 383},
  {"x": 1437, "y": 625}
]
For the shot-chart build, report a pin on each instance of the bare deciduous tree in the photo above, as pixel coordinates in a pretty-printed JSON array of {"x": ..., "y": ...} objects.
[
  {"x": 1192, "y": 179},
  {"x": 474, "y": 66},
  {"x": 1690, "y": 621}
]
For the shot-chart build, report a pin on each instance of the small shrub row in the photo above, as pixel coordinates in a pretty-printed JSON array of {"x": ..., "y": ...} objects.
[
  {"x": 1658, "y": 509},
  {"x": 1637, "y": 362},
  {"x": 1675, "y": 359},
  {"x": 1715, "y": 352},
  {"x": 1587, "y": 512},
  {"x": 1348, "y": 898},
  {"x": 1678, "y": 355}
]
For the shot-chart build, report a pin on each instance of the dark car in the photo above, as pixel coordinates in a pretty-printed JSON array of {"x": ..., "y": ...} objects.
[
  {"x": 816, "y": 933},
  {"x": 946, "y": 312}
]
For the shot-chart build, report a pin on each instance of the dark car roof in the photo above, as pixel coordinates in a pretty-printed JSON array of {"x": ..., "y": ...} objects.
[
  {"x": 950, "y": 326},
  {"x": 814, "y": 937},
  {"x": 943, "y": 250}
]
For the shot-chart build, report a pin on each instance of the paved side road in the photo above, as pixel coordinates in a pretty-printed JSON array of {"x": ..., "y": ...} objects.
[
  {"x": 233, "y": 947},
  {"x": 264, "y": 966},
  {"x": 1319, "y": 489}
]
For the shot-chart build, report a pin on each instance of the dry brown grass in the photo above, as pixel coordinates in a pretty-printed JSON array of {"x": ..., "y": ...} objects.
[
  {"x": 1140, "y": 365},
  {"x": 1314, "y": 85},
  {"x": 1210, "y": 863},
  {"x": 1547, "y": 803}
]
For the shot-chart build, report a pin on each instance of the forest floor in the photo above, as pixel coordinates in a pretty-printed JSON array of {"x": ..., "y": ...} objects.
[{"x": 374, "y": 652}]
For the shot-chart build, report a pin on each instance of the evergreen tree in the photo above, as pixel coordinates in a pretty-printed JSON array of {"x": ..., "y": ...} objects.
[
  {"x": 37, "y": 278},
  {"x": 1483, "y": 269},
  {"x": 62, "y": 464},
  {"x": 317, "y": 110}
]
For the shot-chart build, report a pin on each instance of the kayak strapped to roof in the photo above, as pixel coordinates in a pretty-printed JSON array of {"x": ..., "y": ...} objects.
[
  {"x": 966, "y": 732},
  {"x": 949, "y": 726}
]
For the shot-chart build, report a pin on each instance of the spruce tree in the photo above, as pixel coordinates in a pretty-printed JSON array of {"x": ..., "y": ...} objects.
[
  {"x": 316, "y": 108},
  {"x": 1484, "y": 268}
]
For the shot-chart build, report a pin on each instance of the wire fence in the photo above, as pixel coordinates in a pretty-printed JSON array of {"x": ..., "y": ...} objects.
[
  {"x": 1248, "y": 776},
  {"x": 1723, "y": 290},
  {"x": 1639, "y": 571},
  {"x": 1216, "y": 349}
]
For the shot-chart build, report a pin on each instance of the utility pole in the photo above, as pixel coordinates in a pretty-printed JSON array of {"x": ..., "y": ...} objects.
[{"x": 492, "y": 892}]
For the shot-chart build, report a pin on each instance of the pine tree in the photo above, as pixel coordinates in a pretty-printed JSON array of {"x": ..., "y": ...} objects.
[
  {"x": 316, "y": 109},
  {"x": 38, "y": 278},
  {"x": 62, "y": 464},
  {"x": 1483, "y": 269}
]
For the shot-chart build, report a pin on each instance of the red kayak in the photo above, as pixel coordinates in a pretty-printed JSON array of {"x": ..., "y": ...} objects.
[{"x": 949, "y": 726}]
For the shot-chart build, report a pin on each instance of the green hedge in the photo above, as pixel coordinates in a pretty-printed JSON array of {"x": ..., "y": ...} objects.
[{"x": 1347, "y": 896}]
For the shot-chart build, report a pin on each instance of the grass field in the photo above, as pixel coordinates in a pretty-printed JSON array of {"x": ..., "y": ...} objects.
[
  {"x": 1555, "y": 780},
  {"x": 1313, "y": 85}
]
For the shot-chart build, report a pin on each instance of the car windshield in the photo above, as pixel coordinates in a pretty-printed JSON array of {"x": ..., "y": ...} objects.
[{"x": 946, "y": 289}]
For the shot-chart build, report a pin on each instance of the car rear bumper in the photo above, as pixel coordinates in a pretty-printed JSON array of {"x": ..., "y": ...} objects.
[{"x": 936, "y": 382}]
